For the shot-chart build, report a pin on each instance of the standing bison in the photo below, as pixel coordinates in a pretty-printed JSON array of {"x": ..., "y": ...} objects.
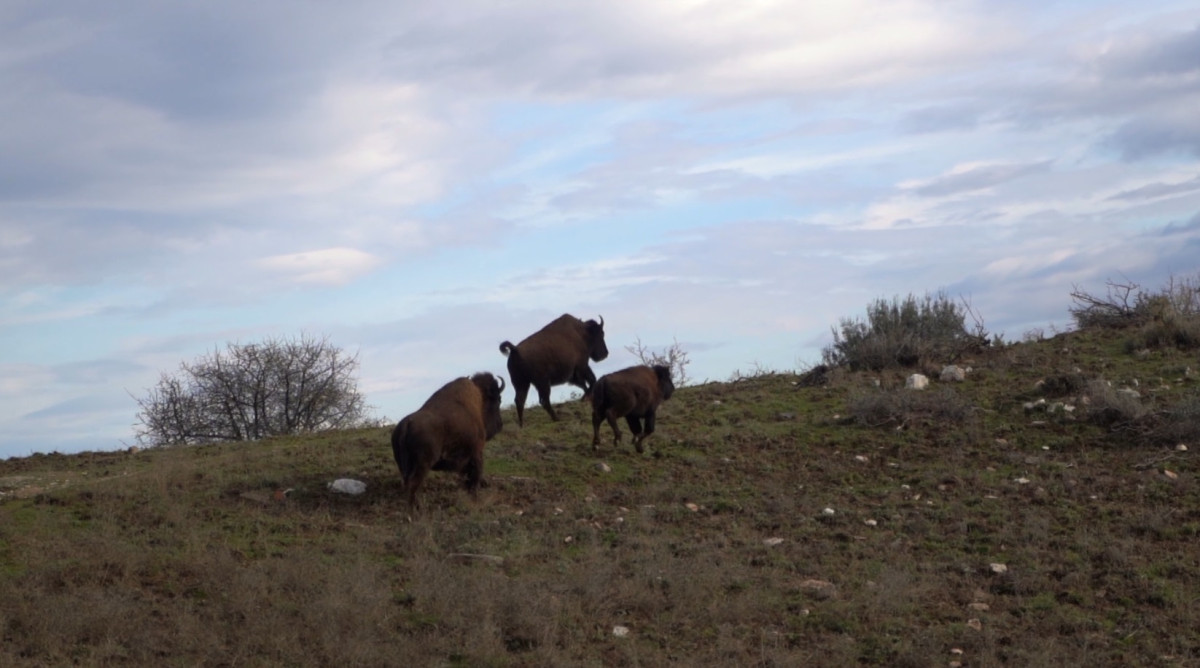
[
  {"x": 555, "y": 354},
  {"x": 633, "y": 394},
  {"x": 447, "y": 433}
]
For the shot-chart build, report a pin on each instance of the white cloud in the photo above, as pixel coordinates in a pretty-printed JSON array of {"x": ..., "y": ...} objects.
[{"x": 329, "y": 266}]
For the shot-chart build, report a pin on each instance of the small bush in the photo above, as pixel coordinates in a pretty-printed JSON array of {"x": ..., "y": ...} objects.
[
  {"x": 900, "y": 406},
  {"x": 1179, "y": 423},
  {"x": 673, "y": 357},
  {"x": 1110, "y": 407},
  {"x": 1169, "y": 318},
  {"x": 904, "y": 333}
]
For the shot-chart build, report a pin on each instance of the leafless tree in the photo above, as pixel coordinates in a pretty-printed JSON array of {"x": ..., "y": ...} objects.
[
  {"x": 251, "y": 391},
  {"x": 673, "y": 356}
]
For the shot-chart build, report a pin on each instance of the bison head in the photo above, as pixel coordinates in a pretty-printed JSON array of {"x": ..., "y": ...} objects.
[
  {"x": 597, "y": 350},
  {"x": 491, "y": 391},
  {"x": 665, "y": 385}
]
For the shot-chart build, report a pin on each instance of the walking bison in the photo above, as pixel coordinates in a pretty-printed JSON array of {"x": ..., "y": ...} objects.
[
  {"x": 448, "y": 431},
  {"x": 634, "y": 394},
  {"x": 554, "y": 355}
]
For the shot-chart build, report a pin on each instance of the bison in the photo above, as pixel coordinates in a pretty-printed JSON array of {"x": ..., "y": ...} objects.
[
  {"x": 634, "y": 394},
  {"x": 555, "y": 354},
  {"x": 448, "y": 431}
]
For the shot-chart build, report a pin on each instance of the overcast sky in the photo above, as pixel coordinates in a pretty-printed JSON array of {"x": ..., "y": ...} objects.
[{"x": 420, "y": 182}]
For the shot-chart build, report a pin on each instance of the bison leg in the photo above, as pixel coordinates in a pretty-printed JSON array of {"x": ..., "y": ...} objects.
[
  {"x": 635, "y": 425},
  {"x": 584, "y": 379},
  {"x": 612, "y": 422},
  {"x": 597, "y": 418},
  {"x": 522, "y": 391},
  {"x": 473, "y": 472},
  {"x": 412, "y": 483},
  {"x": 543, "y": 390},
  {"x": 649, "y": 430}
]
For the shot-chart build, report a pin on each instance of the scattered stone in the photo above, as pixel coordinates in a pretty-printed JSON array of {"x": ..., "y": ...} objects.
[
  {"x": 862, "y": 459},
  {"x": 784, "y": 417},
  {"x": 692, "y": 507},
  {"x": 870, "y": 523},
  {"x": 1129, "y": 392},
  {"x": 975, "y": 624},
  {"x": 1181, "y": 448},
  {"x": 916, "y": 382},
  {"x": 620, "y": 631},
  {"x": 256, "y": 496},
  {"x": 772, "y": 542},
  {"x": 956, "y": 651},
  {"x": 1170, "y": 474},
  {"x": 603, "y": 468},
  {"x": 348, "y": 486},
  {"x": 569, "y": 539},
  {"x": 979, "y": 607},
  {"x": 998, "y": 568},
  {"x": 829, "y": 512},
  {"x": 953, "y": 373},
  {"x": 819, "y": 589},
  {"x": 1002, "y": 442},
  {"x": 466, "y": 557}
]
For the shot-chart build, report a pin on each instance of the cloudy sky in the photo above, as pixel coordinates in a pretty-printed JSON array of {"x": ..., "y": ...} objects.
[{"x": 420, "y": 183}]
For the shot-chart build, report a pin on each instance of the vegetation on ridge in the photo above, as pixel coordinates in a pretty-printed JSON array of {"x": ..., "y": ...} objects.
[{"x": 1039, "y": 512}]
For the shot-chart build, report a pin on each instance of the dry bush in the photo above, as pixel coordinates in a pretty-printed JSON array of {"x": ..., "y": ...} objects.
[
  {"x": 1169, "y": 318},
  {"x": 905, "y": 333},
  {"x": 1179, "y": 422},
  {"x": 1111, "y": 407},
  {"x": 904, "y": 405},
  {"x": 674, "y": 357}
]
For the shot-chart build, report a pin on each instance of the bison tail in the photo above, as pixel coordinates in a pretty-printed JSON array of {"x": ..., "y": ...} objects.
[
  {"x": 598, "y": 395},
  {"x": 403, "y": 455},
  {"x": 507, "y": 348}
]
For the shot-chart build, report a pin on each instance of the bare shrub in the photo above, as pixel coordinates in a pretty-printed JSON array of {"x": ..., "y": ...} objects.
[
  {"x": 251, "y": 391},
  {"x": 1111, "y": 407},
  {"x": 905, "y": 333},
  {"x": 673, "y": 357},
  {"x": 903, "y": 405},
  {"x": 1167, "y": 318},
  {"x": 1179, "y": 422}
]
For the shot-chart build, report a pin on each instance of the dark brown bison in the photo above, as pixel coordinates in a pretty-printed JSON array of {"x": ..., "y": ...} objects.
[
  {"x": 555, "y": 354},
  {"x": 448, "y": 431},
  {"x": 633, "y": 394}
]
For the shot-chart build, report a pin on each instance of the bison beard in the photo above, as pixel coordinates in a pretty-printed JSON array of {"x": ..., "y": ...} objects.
[
  {"x": 634, "y": 394},
  {"x": 448, "y": 433}
]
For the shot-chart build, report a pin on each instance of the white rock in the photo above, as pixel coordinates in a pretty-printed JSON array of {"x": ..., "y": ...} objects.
[
  {"x": 953, "y": 373},
  {"x": 870, "y": 523},
  {"x": 916, "y": 382},
  {"x": 603, "y": 468},
  {"x": 861, "y": 458},
  {"x": 348, "y": 486},
  {"x": 998, "y": 568},
  {"x": 829, "y": 511},
  {"x": 772, "y": 542},
  {"x": 1181, "y": 448},
  {"x": 620, "y": 631}
]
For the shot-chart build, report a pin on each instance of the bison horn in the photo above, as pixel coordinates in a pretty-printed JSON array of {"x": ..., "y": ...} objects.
[
  {"x": 601, "y": 321},
  {"x": 502, "y": 385}
]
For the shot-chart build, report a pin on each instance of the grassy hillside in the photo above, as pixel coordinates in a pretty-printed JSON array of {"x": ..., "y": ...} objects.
[{"x": 769, "y": 524}]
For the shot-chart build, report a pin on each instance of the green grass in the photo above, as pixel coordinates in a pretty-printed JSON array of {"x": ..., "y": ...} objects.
[{"x": 184, "y": 556}]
